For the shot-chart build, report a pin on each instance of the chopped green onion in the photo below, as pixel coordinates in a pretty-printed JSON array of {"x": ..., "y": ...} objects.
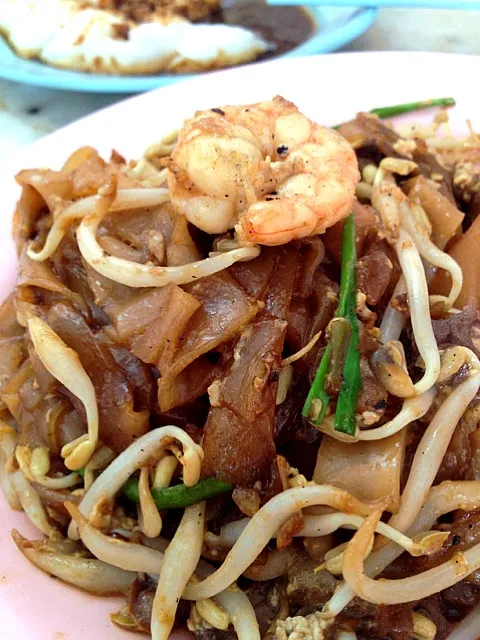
[
  {"x": 317, "y": 400},
  {"x": 316, "y": 404},
  {"x": 346, "y": 411},
  {"x": 340, "y": 333},
  {"x": 179, "y": 496},
  {"x": 408, "y": 107},
  {"x": 348, "y": 284},
  {"x": 351, "y": 382}
]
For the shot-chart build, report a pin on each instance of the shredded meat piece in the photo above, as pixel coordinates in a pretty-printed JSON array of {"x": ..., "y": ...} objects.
[
  {"x": 459, "y": 328},
  {"x": 140, "y": 602},
  {"x": 372, "y": 622},
  {"x": 306, "y": 590},
  {"x": 203, "y": 631},
  {"x": 367, "y": 131},
  {"x": 461, "y": 461},
  {"x": 432, "y": 608},
  {"x": 460, "y": 599},
  {"x": 289, "y": 422},
  {"x": 373, "y": 396},
  {"x": 449, "y": 607},
  {"x": 267, "y": 599},
  {"x": 374, "y": 140},
  {"x": 141, "y": 608},
  {"x": 393, "y": 622},
  {"x": 373, "y": 275}
]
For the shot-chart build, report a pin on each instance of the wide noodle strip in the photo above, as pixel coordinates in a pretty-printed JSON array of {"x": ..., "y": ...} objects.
[{"x": 238, "y": 438}]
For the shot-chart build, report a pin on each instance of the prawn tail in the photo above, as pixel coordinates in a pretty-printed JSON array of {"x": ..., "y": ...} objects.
[{"x": 276, "y": 222}]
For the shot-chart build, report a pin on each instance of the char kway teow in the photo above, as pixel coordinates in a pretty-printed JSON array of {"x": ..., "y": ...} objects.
[{"x": 240, "y": 377}]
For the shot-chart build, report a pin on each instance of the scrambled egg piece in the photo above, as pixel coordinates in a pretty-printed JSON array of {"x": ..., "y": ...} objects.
[{"x": 311, "y": 627}]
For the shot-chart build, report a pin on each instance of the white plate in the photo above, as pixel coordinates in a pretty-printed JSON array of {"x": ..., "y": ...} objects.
[{"x": 329, "y": 89}]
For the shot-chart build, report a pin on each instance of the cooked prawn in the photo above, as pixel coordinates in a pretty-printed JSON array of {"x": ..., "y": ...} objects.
[{"x": 264, "y": 169}]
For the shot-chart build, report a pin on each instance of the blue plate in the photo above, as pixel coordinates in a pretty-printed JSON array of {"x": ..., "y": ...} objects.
[
  {"x": 410, "y": 4},
  {"x": 334, "y": 28}
]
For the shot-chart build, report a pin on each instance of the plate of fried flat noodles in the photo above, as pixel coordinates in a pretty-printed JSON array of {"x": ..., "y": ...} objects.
[{"x": 239, "y": 383}]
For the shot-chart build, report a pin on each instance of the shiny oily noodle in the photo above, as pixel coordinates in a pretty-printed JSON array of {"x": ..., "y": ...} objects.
[{"x": 240, "y": 378}]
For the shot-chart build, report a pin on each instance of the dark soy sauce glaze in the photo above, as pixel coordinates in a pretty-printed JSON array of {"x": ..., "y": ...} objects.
[{"x": 284, "y": 27}]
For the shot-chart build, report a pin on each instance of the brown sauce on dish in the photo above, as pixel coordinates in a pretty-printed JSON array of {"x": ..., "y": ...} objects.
[{"x": 284, "y": 27}]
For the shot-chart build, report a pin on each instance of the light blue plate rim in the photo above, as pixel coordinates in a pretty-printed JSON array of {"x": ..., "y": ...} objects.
[{"x": 321, "y": 42}]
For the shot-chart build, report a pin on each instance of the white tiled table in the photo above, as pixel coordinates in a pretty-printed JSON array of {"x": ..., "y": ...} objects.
[{"x": 27, "y": 113}]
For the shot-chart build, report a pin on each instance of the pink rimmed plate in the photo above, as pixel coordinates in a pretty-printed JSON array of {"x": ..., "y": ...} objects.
[{"x": 329, "y": 89}]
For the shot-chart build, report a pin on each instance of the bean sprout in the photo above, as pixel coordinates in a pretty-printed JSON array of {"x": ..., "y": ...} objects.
[
  {"x": 416, "y": 587},
  {"x": 423, "y": 627},
  {"x": 143, "y": 275},
  {"x": 435, "y": 256},
  {"x": 322, "y": 525},
  {"x": 417, "y": 289},
  {"x": 124, "y": 199},
  {"x": 31, "y": 503},
  {"x": 119, "y": 553},
  {"x": 263, "y": 526},
  {"x": 444, "y": 498},
  {"x": 303, "y": 351},
  {"x": 430, "y": 451},
  {"x": 181, "y": 558},
  {"x": 23, "y": 456},
  {"x": 94, "y": 576},
  {"x": 8, "y": 442},
  {"x": 111, "y": 480},
  {"x": 213, "y": 614},
  {"x": 236, "y": 604},
  {"x": 64, "y": 364},
  {"x": 151, "y": 518},
  {"x": 393, "y": 321},
  {"x": 100, "y": 459},
  {"x": 412, "y": 409}
]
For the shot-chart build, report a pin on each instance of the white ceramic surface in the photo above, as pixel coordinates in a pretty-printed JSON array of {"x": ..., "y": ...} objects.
[
  {"x": 28, "y": 113},
  {"x": 329, "y": 89}
]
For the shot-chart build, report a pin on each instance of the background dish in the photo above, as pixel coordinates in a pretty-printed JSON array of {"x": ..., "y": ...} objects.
[
  {"x": 335, "y": 27},
  {"x": 54, "y": 610}
]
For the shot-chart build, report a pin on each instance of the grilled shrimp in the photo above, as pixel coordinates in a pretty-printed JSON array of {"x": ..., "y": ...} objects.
[{"x": 264, "y": 169}]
